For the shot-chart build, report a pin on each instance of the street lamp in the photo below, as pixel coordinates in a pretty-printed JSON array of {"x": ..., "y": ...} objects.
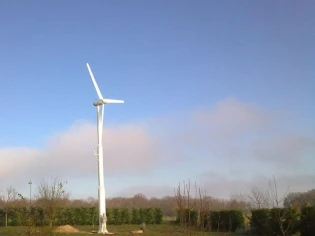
[{"x": 30, "y": 183}]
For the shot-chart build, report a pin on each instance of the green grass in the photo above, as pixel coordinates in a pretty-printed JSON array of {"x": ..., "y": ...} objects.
[{"x": 151, "y": 230}]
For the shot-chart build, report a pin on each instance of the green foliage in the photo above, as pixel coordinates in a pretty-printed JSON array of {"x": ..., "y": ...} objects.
[
  {"x": 116, "y": 216},
  {"x": 142, "y": 215},
  {"x": 135, "y": 216},
  {"x": 81, "y": 216},
  {"x": 76, "y": 216},
  {"x": 146, "y": 215},
  {"x": 226, "y": 220},
  {"x": 275, "y": 221},
  {"x": 19, "y": 216},
  {"x": 2, "y": 217},
  {"x": 109, "y": 215},
  {"x": 37, "y": 216},
  {"x": 284, "y": 220},
  {"x": 13, "y": 220},
  {"x": 259, "y": 221},
  {"x": 158, "y": 216},
  {"x": 149, "y": 215},
  {"x": 89, "y": 216},
  {"x": 307, "y": 222},
  {"x": 125, "y": 216},
  {"x": 187, "y": 217}
]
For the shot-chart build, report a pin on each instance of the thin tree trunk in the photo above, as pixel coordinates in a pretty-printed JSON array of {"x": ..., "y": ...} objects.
[{"x": 6, "y": 219}]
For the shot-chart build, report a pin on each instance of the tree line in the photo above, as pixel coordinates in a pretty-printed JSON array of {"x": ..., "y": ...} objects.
[{"x": 49, "y": 196}]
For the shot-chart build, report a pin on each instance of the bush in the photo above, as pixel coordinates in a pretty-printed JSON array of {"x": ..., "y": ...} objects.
[
  {"x": 135, "y": 216},
  {"x": 287, "y": 218},
  {"x": 259, "y": 221},
  {"x": 226, "y": 221},
  {"x": 149, "y": 215},
  {"x": 274, "y": 221},
  {"x": 82, "y": 216},
  {"x": 116, "y": 216},
  {"x": 125, "y": 216},
  {"x": 187, "y": 217},
  {"x": 307, "y": 222},
  {"x": 158, "y": 216}
]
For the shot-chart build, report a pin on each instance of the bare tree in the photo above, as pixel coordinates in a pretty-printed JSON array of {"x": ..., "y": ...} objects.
[
  {"x": 299, "y": 199},
  {"x": 51, "y": 195},
  {"x": 285, "y": 225},
  {"x": 258, "y": 198},
  {"x": 6, "y": 201},
  {"x": 273, "y": 194},
  {"x": 186, "y": 206},
  {"x": 180, "y": 200},
  {"x": 204, "y": 210}
]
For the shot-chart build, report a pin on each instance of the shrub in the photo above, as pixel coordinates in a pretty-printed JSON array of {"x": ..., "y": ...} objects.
[
  {"x": 158, "y": 216},
  {"x": 259, "y": 221},
  {"x": 284, "y": 220},
  {"x": 116, "y": 216},
  {"x": 81, "y": 216},
  {"x": 226, "y": 220},
  {"x": 275, "y": 221},
  {"x": 187, "y": 217},
  {"x": 149, "y": 215},
  {"x": 307, "y": 222},
  {"x": 109, "y": 215},
  {"x": 135, "y": 216},
  {"x": 125, "y": 216}
]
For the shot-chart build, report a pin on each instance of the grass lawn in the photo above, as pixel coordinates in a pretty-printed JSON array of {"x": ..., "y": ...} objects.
[{"x": 164, "y": 229}]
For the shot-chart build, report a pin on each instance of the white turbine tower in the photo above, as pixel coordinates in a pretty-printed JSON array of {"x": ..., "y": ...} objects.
[{"x": 99, "y": 104}]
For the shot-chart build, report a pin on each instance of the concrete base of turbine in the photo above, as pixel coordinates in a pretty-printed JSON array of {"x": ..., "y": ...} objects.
[{"x": 106, "y": 232}]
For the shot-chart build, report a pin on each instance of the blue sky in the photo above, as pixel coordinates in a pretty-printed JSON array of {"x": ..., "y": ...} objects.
[{"x": 209, "y": 87}]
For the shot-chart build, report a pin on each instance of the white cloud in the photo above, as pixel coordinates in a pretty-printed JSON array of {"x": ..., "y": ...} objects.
[
  {"x": 221, "y": 186},
  {"x": 15, "y": 161},
  {"x": 229, "y": 135},
  {"x": 285, "y": 149},
  {"x": 127, "y": 149},
  {"x": 149, "y": 191},
  {"x": 230, "y": 118}
]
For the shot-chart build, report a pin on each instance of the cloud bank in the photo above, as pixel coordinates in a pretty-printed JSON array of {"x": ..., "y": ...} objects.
[{"x": 231, "y": 145}]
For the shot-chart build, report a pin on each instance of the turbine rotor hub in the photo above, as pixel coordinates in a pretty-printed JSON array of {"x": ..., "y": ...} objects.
[{"x": 98, "y": 103}]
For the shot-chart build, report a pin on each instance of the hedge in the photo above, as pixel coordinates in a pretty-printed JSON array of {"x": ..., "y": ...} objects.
[
  {"x": 307, "y": 221},
  {"x": 82, "y": 216},
  {"x": 187, "y": 217},
  {"x": 274, "y": 221},
  {"x": 225, "y": 221}
]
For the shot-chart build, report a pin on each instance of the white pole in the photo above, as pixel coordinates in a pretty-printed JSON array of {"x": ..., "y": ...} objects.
[{"x": 101, "y": 188}]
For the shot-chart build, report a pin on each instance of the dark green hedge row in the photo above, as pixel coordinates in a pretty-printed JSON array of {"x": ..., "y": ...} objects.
[
  {"x": 82, "y": 216},
  {"x": 147, "y": 215},
  {"x": 307, "y": 221},
  {"x": 278, "y": 220},
  {"x": 224, "y": 221}
]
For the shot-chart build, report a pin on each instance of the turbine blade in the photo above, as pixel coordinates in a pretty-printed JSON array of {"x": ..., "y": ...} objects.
[
  {"x": 99, "y": 94},
  {"x": 112, "y": 101}
]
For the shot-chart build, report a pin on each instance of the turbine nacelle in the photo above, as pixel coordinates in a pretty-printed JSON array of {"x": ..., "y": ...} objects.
[{"x": 106, "y": 101}]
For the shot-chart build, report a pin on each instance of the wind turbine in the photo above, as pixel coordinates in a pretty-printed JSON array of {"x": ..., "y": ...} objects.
[{"x": 99, "y": 104}]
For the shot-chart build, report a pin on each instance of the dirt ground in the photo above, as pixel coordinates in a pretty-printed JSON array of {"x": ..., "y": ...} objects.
[{"x": 68, "y": 229}]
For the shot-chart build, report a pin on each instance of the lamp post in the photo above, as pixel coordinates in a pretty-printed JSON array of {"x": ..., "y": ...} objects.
[
  {"x": 29, "y": 214},
  {"x": 30, "y": 183}
]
